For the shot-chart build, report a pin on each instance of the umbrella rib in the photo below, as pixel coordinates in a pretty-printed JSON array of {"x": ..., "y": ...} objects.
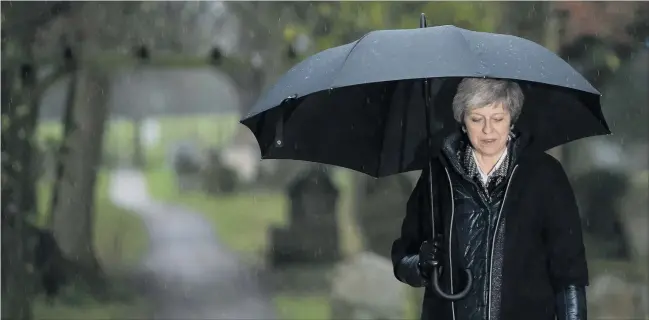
[
  {"x": 393, "y": 88},
  {"x": 404, "y": 124},
  {"x": 475, "y": 54},
  {"x": 342, "y": 65}
]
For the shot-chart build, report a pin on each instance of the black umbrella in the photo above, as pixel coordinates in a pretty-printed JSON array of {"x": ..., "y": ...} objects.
[{"x": 362, "y": 105}]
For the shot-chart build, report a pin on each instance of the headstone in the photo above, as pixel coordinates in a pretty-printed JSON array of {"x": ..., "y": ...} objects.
[
  {"x": 311, "y": 236},
  {"x": 150, "y": 132},
  {"x": 243, "y": 159},
  {"x": 364, "y": 287},
  {"x": 382, "y": 208},
  {"x": 278, "y": 174},
  {"x": 599, "y": 193},
  {"x": 217, "y": 177},
  {"x": 187, "y": 166},
  {"x": 635, "y": 218}
]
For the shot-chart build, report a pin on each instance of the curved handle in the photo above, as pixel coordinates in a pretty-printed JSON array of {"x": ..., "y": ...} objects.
[{"x": 453, "y": 297}]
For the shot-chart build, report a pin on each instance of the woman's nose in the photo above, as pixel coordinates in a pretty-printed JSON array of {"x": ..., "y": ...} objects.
[{"x": 487, "y": 127}]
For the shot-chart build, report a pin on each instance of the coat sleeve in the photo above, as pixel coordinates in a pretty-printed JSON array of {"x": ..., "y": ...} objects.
[
  {"x": 562, "y": 231},
  {"x": 405, "y": 249}
]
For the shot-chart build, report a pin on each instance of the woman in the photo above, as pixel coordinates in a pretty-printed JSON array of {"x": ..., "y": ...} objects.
[{"x": 505, "y": 211}]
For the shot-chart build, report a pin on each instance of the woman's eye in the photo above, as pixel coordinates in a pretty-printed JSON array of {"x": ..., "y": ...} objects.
[
  {"x": 475, "y": 119},
  {"x": 498, "y": 119}
]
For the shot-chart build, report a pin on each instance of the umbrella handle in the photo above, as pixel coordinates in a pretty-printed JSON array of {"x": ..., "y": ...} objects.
[{"x": 453, "y": 297}]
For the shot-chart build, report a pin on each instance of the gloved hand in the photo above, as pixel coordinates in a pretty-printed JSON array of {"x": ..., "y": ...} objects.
[{"x": 428, "y": 258}]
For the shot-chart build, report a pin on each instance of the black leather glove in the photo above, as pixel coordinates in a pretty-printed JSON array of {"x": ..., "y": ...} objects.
[
  {"x": 571, "y": 303},
  {"x": 428, "y": 258}
]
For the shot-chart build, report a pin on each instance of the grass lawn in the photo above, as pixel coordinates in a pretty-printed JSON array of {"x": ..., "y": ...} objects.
[
  {"x": 120, "y": 241},
  {"x": 302, "y": 308},
  {"x": 90, "y": 310},
  {"x": 240, "y": 221}
]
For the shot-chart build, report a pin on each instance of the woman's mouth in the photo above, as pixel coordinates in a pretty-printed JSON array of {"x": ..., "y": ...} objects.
[{"x": 488, "y": 141}]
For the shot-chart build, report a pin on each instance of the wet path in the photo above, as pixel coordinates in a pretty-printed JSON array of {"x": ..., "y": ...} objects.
[{"x": 190, "y": 275}]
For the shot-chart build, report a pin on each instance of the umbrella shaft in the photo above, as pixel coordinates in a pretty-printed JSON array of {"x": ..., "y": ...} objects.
[{"x": 426, "y": 96}]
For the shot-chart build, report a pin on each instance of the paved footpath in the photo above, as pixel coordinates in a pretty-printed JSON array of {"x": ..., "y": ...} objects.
[{"x": 190, "y": 275}]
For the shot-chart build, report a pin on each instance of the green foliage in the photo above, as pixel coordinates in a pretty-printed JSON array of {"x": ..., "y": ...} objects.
[
  {"x": 336, "y": 23},
  {"x": 639, "y": 27}
]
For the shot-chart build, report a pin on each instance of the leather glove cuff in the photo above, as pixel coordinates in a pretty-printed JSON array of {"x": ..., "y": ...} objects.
[
  {"x": 570, "y": 303},
  {"x": 408, "y": 271}
]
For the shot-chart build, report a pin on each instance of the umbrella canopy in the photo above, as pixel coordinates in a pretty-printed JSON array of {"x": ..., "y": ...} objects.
[{"x": 360, "y": 105}]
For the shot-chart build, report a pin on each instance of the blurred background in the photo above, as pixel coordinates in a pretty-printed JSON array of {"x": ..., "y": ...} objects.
[{"x": 129, "y": 190}]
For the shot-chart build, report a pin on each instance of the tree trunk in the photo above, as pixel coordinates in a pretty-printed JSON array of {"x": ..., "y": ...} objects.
[
  {"x": 15, "y": 278},
  {"x": 16, "y": 293},
  {"x": 73, "y": 210},
  {"x": 28, "y": 122},
  {"x": 68, "y": 126},
  {"x": 138, "y": 152}
]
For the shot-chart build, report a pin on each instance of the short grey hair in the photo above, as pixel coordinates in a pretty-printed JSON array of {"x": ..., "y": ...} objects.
[{"x": 475, "y": 93}]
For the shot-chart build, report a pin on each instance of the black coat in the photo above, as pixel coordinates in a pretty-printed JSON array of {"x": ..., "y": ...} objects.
[{"x": 543, "y": 249}]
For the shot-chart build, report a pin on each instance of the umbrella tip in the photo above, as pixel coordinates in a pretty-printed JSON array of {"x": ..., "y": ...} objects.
[{"x": 422, "y": 20}]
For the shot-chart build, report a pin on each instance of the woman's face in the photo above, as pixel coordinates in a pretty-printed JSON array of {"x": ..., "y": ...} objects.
[{"x": 488, "y": 128}]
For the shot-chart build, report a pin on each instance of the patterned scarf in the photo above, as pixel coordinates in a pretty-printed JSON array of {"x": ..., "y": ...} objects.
[{"x": 471, "y": 168}]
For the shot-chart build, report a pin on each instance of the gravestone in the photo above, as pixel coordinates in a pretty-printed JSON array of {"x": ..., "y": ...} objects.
[
  {"x": 599, "y": 193},
  {"x": 151, "y": 133},
  {"x": 381, "y": 211},
  {"x": 635, "y": 219},
  {"x": 218, "y": 178},
  {"x": 243, "y": 159},
  {"x": 311, "y": 236},
  {"x": 278, "y": 174},
  {"x": 364, "y": 287},
  {"x": 187, "y": 165}
]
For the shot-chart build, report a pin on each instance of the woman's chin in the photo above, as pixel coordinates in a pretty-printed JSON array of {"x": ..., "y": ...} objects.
[{"x": 490, "y": 150}]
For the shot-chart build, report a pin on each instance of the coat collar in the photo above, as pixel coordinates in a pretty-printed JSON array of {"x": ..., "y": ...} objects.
[{"x": 455, "y": 153}]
